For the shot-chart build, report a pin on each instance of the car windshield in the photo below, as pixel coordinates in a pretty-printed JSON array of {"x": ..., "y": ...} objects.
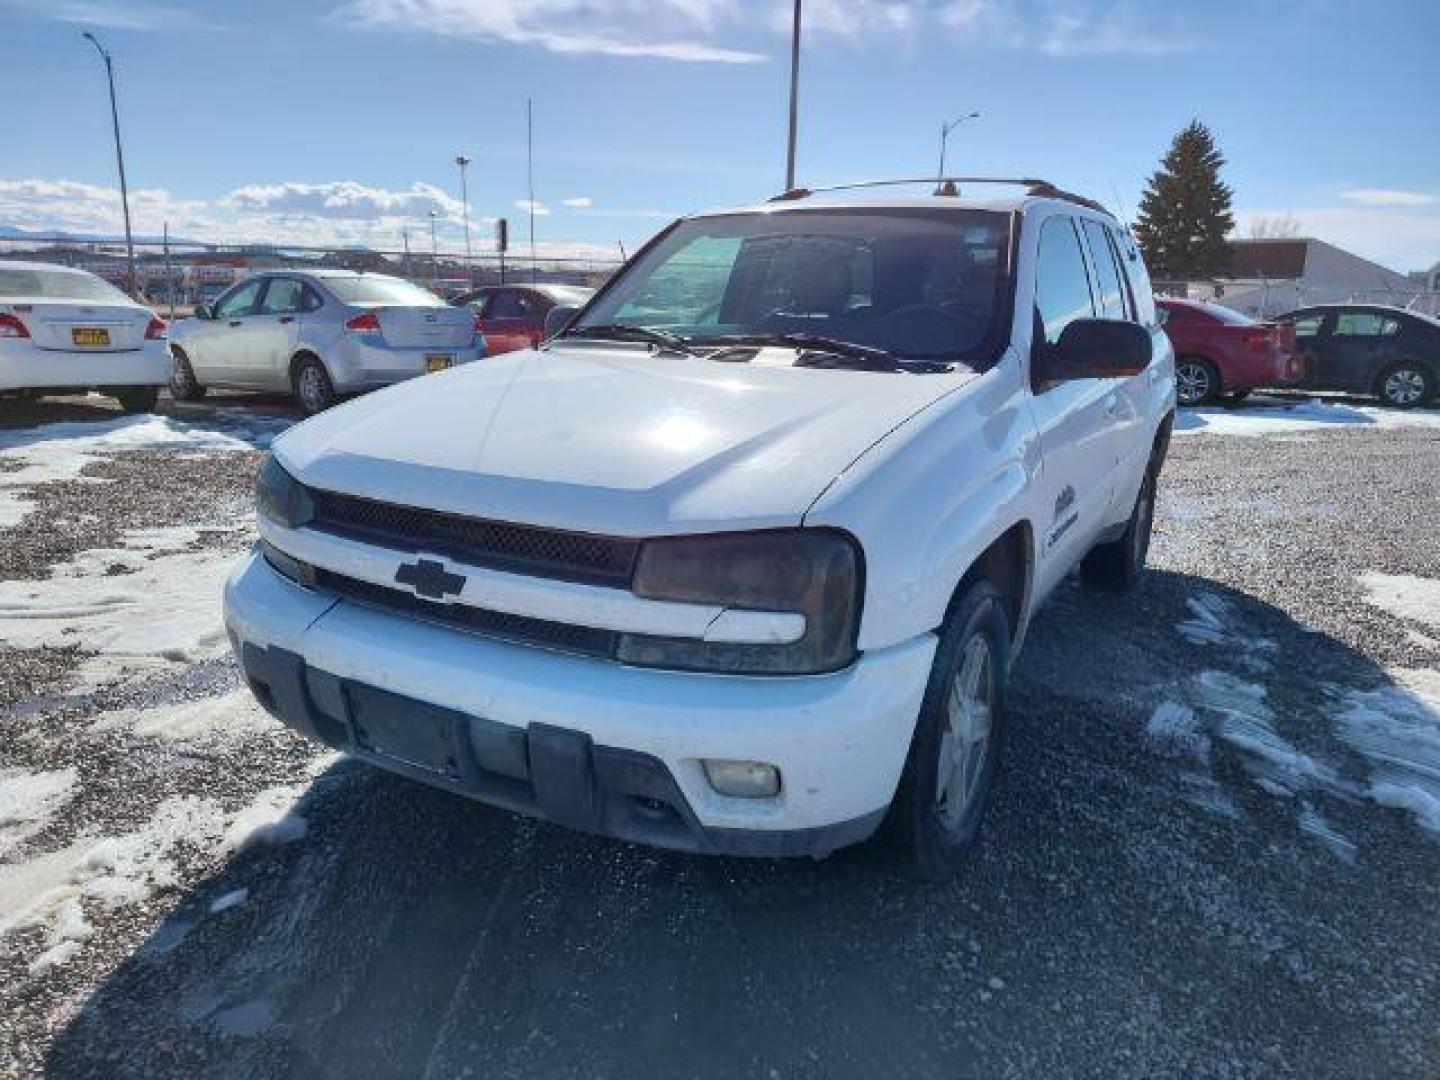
[
  {"x": 379, "y": 289},
  {"x": 918, "y": 283},
  {"x": 41, "y": 281}
]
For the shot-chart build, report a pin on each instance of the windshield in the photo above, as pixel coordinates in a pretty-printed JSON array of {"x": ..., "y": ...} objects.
[
  {"x": 378, "y": 289},
  {"x": 35, "y": 281},
  {"x": 918, "y": 283}
]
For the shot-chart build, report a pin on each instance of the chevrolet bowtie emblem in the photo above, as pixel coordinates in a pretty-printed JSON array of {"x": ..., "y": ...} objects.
[{"x": 430, "y": 579}]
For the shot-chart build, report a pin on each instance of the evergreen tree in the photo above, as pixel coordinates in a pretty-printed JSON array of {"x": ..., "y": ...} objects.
[{"x": 1185, "y": 212}]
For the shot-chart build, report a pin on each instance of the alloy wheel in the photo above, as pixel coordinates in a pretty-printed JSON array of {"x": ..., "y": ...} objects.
[
  {"x": 965, "y": 741},
  {"x": 1192, "y": 383},
  {"x": 312, "y": 389},
  {"x": 1403, "y": 386}
]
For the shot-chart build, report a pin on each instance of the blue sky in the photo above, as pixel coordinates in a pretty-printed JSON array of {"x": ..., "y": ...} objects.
[{"x": 338, "y": 120}]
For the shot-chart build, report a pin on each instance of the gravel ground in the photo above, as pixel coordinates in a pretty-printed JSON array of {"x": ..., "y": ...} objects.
[{"x": 1184, "y": 871}]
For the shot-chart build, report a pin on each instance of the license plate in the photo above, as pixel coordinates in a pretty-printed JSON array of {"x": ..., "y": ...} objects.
[
  {"x": 90, "y": 335},
  {"x": 437, "y": 361},
  {"x": 404, "y": 730}
]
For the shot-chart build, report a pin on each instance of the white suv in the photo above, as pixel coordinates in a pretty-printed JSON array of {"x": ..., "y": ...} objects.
[{"x": 739, "y": 560}]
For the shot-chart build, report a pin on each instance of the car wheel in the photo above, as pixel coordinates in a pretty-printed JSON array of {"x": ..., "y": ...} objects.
[
  {"x": 1118, "y": 565},
  {"x": 955, "y": 751},
  {"x": 183, "y": 384},
  {"x": 1405, "y": 385},
  {"x": 313, "y": 388},
  {"x": 137, "y": 399},
  {"x": 1196, "y": 381}
]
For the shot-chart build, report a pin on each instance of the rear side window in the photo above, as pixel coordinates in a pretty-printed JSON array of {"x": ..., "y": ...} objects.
[
  {"x": 1133, "y": 266},
  {"x": 379, "y": 289},
  {"x": 285, "y": 296},
  {"x": 510, "y": 305},
  {"x": 1308, "y": 326},
  {"x": 1112, "y": 291},
  {"x": 40, "y": 281},
  {"x": 1062, "y": 284}
]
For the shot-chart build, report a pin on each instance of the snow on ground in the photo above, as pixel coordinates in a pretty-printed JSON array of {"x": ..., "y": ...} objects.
[
  {"x": 1408, "y": 597},
  {"x": 28, "y": 801},
  {"x": 60, "y": 451},
  {"x": 52, "y": 891},
  {"x": 1397, "y": 729},
  {"x": 142, "y": 604},
  {"x": 1246, "y": 722},
  {"x": 1299, "y": 417},
  {"x": 223, "y": 718}
]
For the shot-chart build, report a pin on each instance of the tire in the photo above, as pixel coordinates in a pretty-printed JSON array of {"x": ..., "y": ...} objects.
[
  {"x": 1197, "y": 382},
  {"x": 932, "y": 824},
  {"x": 183, "y": 384},
  {"x": 1119, "y": 564},
  {"x": 137, "y": 399},
  {"x": 1405, "y": 384},
  {"x": 313, "y": 389},
  {"x": 1234, "y": 399}
]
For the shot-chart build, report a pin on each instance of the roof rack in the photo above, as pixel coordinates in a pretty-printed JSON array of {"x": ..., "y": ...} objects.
[{"x": 950, "y": 186}]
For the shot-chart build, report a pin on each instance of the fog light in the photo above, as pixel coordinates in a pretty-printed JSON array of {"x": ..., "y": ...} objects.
[{"x": 743, "y": 779}]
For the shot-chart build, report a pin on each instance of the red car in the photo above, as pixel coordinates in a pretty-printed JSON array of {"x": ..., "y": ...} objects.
[
  {"x": 1221, "y": 355},
  {"x": 513, "y": 316}
]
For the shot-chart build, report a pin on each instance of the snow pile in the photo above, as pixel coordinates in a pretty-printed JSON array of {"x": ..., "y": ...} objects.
[
  {"x": 60, "y": 451},
  {"x": 1246, "y": 723},
  {"x": 28, "y": 801},
  {"x": 1404, "y": 596},
  {"x": 51, "y": 891},
  {"x": 1301, "y": 417},
  {"x": 1212, "y": 622},
  {"x": 165, "y": 609},
  {"x": 1397, "y": 730},
  {"x": 224, "y": 718}
]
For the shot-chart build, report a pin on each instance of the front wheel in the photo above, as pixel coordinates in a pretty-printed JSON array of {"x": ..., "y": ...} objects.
[
  {"x": 313, "y": 388},
  {"x": 1118, "y": 565},
  {"x": 1196, "y": 381},
  {"x": 183, "y": 384},
  {"x": 955, "y": 752},
  {"x": 1405, "y": 385}
]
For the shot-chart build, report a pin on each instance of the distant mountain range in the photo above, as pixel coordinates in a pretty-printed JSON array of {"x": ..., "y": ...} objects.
[{"x": 9, "y": 232}]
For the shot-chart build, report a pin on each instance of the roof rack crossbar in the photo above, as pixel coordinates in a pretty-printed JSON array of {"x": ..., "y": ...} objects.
[{"x": 1032, "y": 185}]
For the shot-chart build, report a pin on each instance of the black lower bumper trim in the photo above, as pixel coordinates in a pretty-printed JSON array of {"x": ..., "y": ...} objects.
[{"x": 549, "y": 772}]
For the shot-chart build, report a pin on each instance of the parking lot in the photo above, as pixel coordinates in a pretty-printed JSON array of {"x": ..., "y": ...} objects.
[{"x": 1213, "y": 851}]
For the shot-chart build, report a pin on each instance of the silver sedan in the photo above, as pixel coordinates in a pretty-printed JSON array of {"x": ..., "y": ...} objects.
[{"x": 319, "y": 334}]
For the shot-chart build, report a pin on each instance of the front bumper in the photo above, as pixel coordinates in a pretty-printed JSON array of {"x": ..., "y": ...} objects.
[{"x": 586, "y": 743}]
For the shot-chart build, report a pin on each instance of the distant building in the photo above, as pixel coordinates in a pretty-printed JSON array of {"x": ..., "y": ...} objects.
[{"x": 1270, "y": 277}]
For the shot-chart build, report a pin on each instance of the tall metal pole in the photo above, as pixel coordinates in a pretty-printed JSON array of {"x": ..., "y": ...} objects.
[
  {"x": 794, "y": 98},
  {"x": 119, "y": 160},
  {"x": 169, "y": 274},
  {"x": 434, "y": 255},
  {"x": 405, "y": 239},
  {"x": 945, "y": 130},
  {"x": 462, "y": 161},
  {"x": 530, "y": 181}
]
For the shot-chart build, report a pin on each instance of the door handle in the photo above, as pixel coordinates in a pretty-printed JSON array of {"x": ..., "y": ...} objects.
[{"x": 287, "y": 318}]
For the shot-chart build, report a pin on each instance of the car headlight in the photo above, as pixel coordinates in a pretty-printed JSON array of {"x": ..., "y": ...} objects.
[
  {"x": 280, "y": 497},
  {"x": 817, "y": 573}
]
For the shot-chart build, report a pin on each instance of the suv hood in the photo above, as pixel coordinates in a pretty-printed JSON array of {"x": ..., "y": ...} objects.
[{"x": 609, "y": 439}]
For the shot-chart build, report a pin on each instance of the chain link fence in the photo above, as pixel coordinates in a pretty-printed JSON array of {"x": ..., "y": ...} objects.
[{"x": 1265, "y": 299}]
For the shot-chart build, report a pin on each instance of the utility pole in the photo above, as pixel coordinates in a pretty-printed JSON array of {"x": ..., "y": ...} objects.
[
  {"x": 405, "y": 239},
  {"x": 530, "y": 181},
  {"x": 169, "y": 274},
  {"x": 462, "y": 161},
  {"x": 119, "y": 160},
  {"x": 794, "y": 98},
  {"x": 945, "y": 130},
  {"x": 434, "y": 254}
]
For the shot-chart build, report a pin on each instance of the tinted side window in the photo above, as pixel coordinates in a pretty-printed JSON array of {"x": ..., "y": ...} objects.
[
  {"x": 1062, "y": 284},
  {"x": 1112, "y": 292},
  {"x": 283, "y": 297},
  {"x": 240, "y": 300},
  {"x": 1365, "y": 324},
  {"x": 1308, "y": 326},
  {"x": 506, "y": 305},
  {"x": 311, "y": 300},
  {"x": 1133, "y": 266}
]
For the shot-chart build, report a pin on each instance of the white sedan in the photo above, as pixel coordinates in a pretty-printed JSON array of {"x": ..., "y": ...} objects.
[
  {"x": 63, "y": 331},
  {"x": 319, "y": 334}
]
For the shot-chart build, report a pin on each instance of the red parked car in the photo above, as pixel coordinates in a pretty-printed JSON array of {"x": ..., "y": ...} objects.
[
  {"x": 1221, "y": 355},
  {"x": 513, "y": 316}
]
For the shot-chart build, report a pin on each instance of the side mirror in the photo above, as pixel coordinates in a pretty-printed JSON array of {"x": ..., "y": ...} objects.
[
  {"x": 557, "y": 318},
  {"x": 1096, "y": 349},
  {"x": 204, "y": 311}
]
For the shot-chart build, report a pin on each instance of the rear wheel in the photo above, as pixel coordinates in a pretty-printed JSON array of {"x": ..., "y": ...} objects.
[
  {"x": 1119, "y": 564},
  {"x": 183, "y": 384},
  {"x": 1196, "y": 381},
  {"x": 955, "y": 751},
  {"x": 1405, "y": 384},
  {"x": 313, "y": 388},
  {"x": 137, "y": 399}
]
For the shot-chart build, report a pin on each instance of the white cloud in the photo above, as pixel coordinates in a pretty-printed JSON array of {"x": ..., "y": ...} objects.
[
  {"x": 579, "y": 202},
  {"x": 664, "y": 29},
  {"x": 117, "y": 14},
  {"x": 343, "y": 199},
  {"x": 1388, "y": 197},
  {"x": 1063, "y": 28},
  {"x": 849, "y": 18},
  {"x": 1401, "y": 238},
  {"x": 525, "y": 206}
]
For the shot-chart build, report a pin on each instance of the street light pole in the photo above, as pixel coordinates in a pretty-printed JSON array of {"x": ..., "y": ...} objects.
[
  {"x": 794, "y": 98},
  {"x": 462, "y": 161},
  {"x": 434, "y": 254},
  {"x": 119, "y": 160},
  {"x": 945, "y": 130}
]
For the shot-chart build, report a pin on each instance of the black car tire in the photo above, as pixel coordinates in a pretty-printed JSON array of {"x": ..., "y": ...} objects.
[
  {"x": 183, "y": 384},
  {"x": 1119, "y": 564},
  {"x": 930, "y": 833},
  {"x": 1405, "y": 384},
  {"x": 1197, "y": 381},
  {"x": 313, "y": 389}
]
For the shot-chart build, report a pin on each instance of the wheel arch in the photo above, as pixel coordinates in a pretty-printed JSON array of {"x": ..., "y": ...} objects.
[
  {"x": 1008, "y": 563},
  {"x": 299, "y": 356}
]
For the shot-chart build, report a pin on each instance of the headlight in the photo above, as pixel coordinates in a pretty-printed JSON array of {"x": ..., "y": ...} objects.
[
  {"x": 816, "y": 573},
  {"x": 280, "y": 497}
]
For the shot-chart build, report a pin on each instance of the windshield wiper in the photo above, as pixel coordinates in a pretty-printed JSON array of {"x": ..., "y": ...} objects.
[
  {"x": 626, "y": 332},
  {"x": 817, "y": 350}
]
